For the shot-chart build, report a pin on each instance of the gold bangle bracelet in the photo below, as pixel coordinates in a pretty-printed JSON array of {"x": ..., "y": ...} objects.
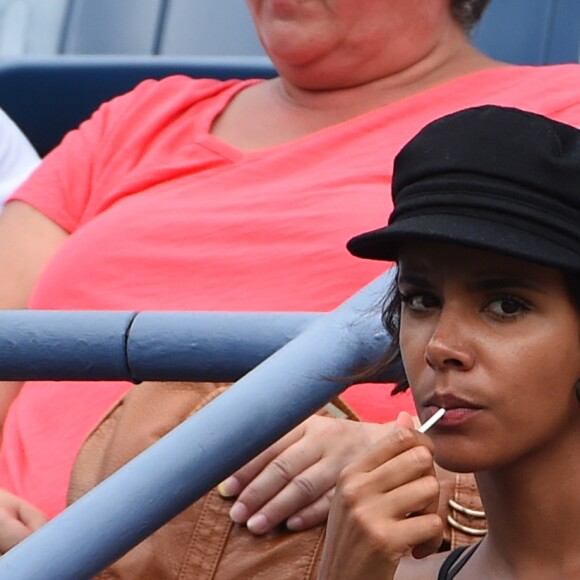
[
  {"x": 464, "y": 510},
  {"x": 465, "y": 529}
]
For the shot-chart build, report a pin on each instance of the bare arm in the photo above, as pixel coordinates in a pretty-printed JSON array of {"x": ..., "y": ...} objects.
[{"x": 28, "y": 240}]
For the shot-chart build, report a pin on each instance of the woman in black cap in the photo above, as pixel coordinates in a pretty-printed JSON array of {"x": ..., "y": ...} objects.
[{"x": 485, "y": 315}]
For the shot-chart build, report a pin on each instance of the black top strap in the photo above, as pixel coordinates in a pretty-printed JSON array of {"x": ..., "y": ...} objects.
[{"x": 453, "y": 563}]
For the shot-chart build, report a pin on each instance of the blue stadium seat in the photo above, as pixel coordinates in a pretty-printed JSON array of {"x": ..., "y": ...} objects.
[
  {"x": 125, "y": 27},
  {"x": 32, "y": 27},
  {"x": 208, "y": 27},
  {"x": 530, "y": 32},
  {"x": 518, "y": 31},
  {"x": 140, "y": 27},
  {"x": 113, "y": 27}
]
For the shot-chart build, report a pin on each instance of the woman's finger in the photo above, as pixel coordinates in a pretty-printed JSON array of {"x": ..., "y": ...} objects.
[
  {"x": 312, "y": 515},
  {"x": 239, "y": 480},
  {"x": 396, "y": 441},
  {"x": 304, "y": 492}
]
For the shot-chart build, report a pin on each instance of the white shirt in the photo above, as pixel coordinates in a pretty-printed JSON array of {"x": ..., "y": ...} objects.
[{"x": 17, "y": 157}]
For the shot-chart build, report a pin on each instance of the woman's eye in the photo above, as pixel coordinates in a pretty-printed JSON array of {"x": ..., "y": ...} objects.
[
  {"x": 420, "y": 302},
  {"x": 507, "y": 307}
]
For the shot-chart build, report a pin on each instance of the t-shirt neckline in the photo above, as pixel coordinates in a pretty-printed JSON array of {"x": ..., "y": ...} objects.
[{"x": 223, "y": 148}]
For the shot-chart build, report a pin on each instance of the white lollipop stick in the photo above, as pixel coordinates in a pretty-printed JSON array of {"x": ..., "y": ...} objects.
[{"x": 431, "y": 421}]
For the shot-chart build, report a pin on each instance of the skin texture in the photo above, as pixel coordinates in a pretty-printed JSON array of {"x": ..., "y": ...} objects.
[
  {"x": 337, "y": 59},
  {"x": 497, "y": 342}
]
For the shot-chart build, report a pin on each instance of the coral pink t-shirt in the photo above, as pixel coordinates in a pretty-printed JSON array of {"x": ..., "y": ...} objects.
[{"x": 164, "y": 216}]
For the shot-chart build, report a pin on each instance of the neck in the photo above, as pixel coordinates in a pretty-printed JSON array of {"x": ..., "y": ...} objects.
[
  {"x": 444, "y": 63},
  {"x": 533, "y": 511},
  {"x": 283, "y": 109}
]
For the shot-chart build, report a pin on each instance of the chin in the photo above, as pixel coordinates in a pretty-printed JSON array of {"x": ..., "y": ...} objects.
[
  {"x": 459, "y": 466},
  {"x": 462, "y": 458}
]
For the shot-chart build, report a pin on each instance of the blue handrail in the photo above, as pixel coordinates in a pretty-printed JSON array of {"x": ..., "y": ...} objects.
[
  {"x": 189, "y": 461},
  {"x": 145, "y": 346}
]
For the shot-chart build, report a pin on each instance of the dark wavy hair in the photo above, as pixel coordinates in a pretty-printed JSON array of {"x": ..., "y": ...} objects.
[
  {"x": 468, "y": 12},
  {"x": 391, "y": 317}
]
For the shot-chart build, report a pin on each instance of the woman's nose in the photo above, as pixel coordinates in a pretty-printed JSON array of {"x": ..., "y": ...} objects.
[{"x": 449, "y": 346}]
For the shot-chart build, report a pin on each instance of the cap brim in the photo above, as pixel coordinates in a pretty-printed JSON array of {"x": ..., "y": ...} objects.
[{"x": 384, "y": 243}]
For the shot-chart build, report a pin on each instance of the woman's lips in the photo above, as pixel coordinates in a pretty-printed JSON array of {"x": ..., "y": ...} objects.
[
  {"x": 458, "y": 410},
  {"x": 455, "y": 415}
]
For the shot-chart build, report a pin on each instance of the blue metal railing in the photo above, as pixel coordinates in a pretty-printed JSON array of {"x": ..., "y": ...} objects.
[
  {"x": 146, "y": 346},
  {"x": 181, "y": 467}
]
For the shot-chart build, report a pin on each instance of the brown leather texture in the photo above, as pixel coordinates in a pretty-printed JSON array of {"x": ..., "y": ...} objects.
[
  {"x": 467, "y": 495},
  {"x": 201, "y": 542}
]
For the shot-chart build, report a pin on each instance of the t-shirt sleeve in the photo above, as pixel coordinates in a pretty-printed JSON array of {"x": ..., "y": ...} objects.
[{"x": 71, "y": 183}]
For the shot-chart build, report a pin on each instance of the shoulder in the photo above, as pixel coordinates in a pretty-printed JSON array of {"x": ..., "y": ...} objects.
[
  {"x": 176, "y": 105},
  {"x": 526, "y": 77},
  {"x": 562, "y": 76},
  {"x": 551, "y": 90},
  {"x": 556, "y": 93},
  {"x": 180, "y": 89},
  {"x": 162, "y": 103},
  {"x": 533, "y": 73}
]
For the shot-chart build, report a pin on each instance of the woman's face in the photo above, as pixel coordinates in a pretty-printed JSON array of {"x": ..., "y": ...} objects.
[
  {"x": 337, "y": 42},
  {"x": 496, "y": 342}
]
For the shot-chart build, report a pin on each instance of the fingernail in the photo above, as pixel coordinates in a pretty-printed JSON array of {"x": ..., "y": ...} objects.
[
  {"x": 258, "y": 524},
  {"x": 239, "y": 513},
  {"x": 295, "y": 524},
  {"x": 230, "y": 487}
]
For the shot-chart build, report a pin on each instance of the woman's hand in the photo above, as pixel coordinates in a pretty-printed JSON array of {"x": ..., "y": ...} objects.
[
  {"x": 294, "y": 479},
  {"x": 385, "y": 508},
  {"x": 18, "y": 519}
]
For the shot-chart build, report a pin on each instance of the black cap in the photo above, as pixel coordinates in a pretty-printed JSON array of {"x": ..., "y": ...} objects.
[{"x": 494, "y": 178}]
